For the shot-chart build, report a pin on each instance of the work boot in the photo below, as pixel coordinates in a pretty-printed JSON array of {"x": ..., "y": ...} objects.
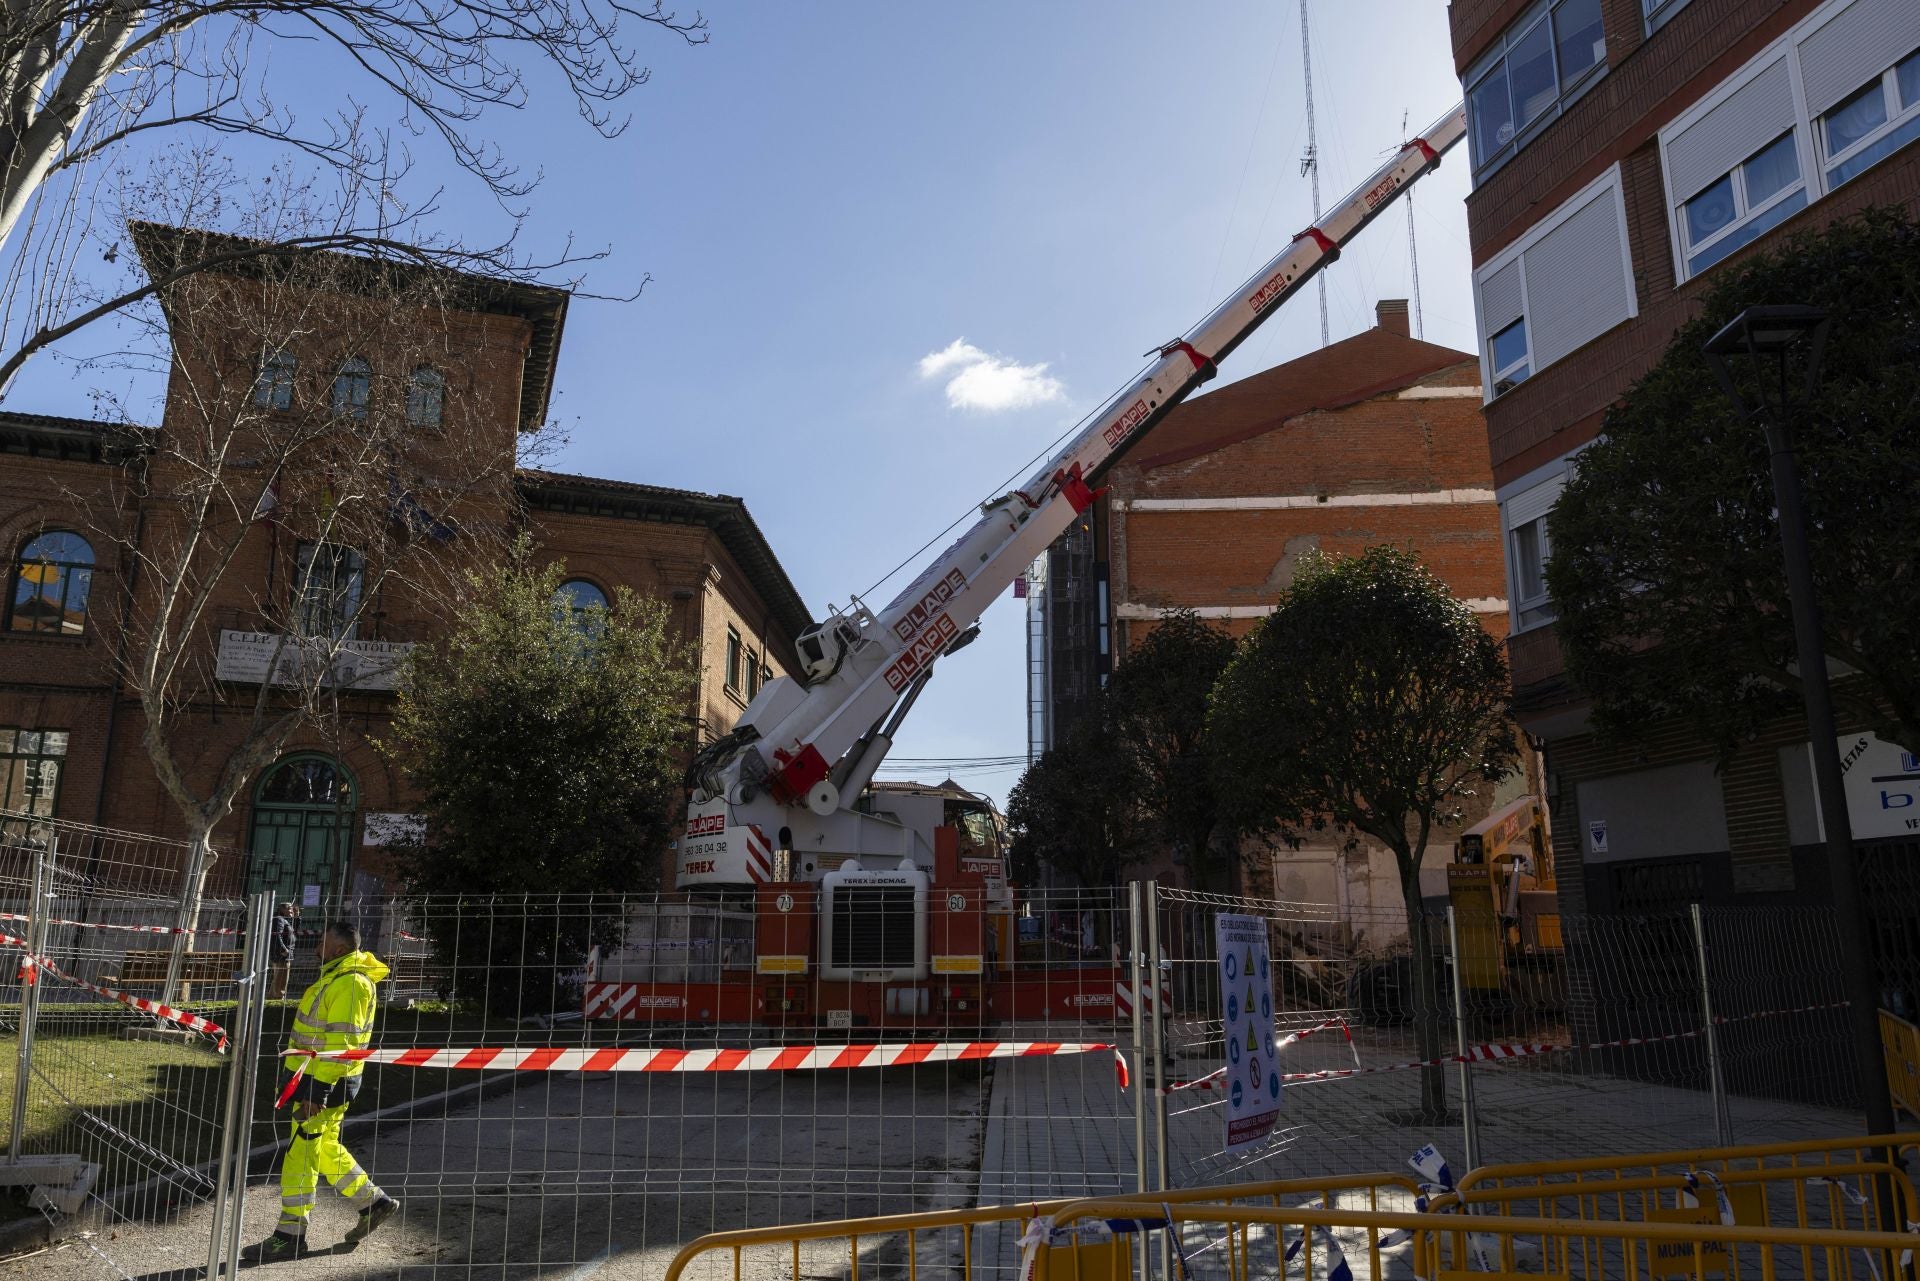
[
  {"x": 275, "y": 1249},
  {"x": 372, "y": 1217}
]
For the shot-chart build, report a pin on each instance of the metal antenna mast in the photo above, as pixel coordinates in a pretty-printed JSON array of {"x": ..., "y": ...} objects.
[
  {"x": 1310, "y": 162},
  {"x": 1413, "y": 253}
]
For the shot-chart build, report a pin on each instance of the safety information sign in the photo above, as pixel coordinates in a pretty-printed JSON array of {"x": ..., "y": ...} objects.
[{"x": 1246, "y": 997}]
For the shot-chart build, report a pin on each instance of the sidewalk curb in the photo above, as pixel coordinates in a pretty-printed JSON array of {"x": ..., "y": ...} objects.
[{"x": 30, "y": 1232}]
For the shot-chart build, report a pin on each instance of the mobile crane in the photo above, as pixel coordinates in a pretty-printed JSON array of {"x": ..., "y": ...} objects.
[{"x": 868, "y": 915}]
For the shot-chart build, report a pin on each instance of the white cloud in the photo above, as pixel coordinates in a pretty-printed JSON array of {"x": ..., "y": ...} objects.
[{"x": 989, "y": 384}]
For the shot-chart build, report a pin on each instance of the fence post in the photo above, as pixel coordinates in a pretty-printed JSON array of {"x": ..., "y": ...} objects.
[
  {"x": 1716, "y": 1076},
  {"x": 230, "y": 1185},
  {"x": 1136, "y": 964},
  {"x": 252, "y": 1033},
  {"x": 1469, "y": 1121},
  {"x": 36, "y": 941},
  {"x": 1158, "y": 1035}
]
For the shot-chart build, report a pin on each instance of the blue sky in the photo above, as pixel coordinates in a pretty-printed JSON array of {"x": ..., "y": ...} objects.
[{"x": 827, "y": 195}]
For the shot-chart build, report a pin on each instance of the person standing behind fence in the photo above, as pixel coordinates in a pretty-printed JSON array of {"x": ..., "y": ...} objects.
[
  {"x": 282, "y": 942},
  {"x": 335, "y": 1014}
]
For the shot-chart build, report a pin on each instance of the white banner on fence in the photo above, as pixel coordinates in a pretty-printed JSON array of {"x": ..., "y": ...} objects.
[{"x": 1246, "y": 1000}]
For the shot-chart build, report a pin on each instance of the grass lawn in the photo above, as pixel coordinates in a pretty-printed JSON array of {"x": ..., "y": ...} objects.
[{"x": 109, "y": 1098}]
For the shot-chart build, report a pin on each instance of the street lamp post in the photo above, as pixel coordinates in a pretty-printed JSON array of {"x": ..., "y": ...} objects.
[{"x": 1768, "y": 337}]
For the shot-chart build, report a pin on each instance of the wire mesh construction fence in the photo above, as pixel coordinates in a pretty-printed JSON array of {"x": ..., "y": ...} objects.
[
  {"x": 131, "y": 1102},
  {"x": 1644, "y": 1033},
  {"x": 557, "y": 1079},
  {"x": 590, "y": 1082}
]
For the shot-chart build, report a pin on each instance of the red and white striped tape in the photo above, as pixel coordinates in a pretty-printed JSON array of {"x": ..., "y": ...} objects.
[
  {"x": 767, "y": 1059},
  {"x": 126, "y": 929},
  {"x": 29, "y": 964},
  {"x": 177, "y": 929},
  {"x": 1504, "y": 1051},
  {"x": 1216, "y": 1079}
]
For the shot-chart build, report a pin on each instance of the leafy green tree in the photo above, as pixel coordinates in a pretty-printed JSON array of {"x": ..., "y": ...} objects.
[
  {"x": 1157, "y": 702},
  {"x": 1370, "y": 700},
  {"x": 546, "y": 745},
  {"x": 1076, "y": 809},
  {"x": 1666, "y": 569}
]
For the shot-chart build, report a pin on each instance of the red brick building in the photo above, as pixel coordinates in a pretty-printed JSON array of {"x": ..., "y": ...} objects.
[
  {"x": 1374, "y": 439},
  {"x": 74, "y": 520},
  {"x": 1623, "y": 151}
]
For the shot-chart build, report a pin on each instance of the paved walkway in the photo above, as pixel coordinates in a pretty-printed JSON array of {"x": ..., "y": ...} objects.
[
  {"x": 1058, "y": 1129},
  {"x": 603, "y": 1178}
]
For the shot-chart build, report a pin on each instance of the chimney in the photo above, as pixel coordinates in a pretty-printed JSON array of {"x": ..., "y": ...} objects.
[{"x": 1390, "y": 314}]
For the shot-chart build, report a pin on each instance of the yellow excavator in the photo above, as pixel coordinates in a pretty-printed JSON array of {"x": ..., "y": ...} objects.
[{"x": 1502, "y": 889}]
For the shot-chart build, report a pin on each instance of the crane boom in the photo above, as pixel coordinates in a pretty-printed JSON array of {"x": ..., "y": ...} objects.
[{"x": 782, "y": 782}]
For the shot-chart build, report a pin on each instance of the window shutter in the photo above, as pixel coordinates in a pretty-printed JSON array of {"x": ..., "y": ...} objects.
[
  {"x": 1754, "y": 115},
  {"x": 1531, "y": 504},
  {"x": 1577, "y": 281},
  {"x": 1866, "y": 39},
  {"x": 1500, "y": 303}
]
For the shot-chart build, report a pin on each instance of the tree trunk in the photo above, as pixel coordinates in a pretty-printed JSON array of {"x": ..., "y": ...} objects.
[
  {"x": 1429, "y": 1014},
  {"x": 193, "y": 888}
]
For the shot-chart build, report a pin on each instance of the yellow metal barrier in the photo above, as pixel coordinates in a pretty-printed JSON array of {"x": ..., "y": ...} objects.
[
  {"x": 1544, "y": 1248},
  {"x": 1815, "y": 1185},
  {"x": 1080, "y": 1262},
  {"x": 1800, "y": 1211},
  {"x": 1848, "y": 1164},
  {"x": 1902, "y": 1042}
]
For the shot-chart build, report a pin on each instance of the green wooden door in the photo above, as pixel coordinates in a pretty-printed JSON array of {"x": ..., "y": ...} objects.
[{"x": 302, "y": 830}]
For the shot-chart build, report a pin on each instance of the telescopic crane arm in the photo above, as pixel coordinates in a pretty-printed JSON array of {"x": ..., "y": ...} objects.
[{"x": 805, "y": 748}]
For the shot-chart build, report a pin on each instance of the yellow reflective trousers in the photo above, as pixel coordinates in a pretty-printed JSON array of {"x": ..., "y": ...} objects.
[{"x": 317, "y": 1153}]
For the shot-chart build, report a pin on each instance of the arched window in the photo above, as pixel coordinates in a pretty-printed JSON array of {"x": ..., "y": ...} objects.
[
  {"x": 426, "y": 394},
  {"x": 51, "y": 581},
  {"x": 579, "y": 599},
  {"x": 306, "y": 780},
  {"x": 274, "y": 387},
  {"x": 352, "y": 387}
]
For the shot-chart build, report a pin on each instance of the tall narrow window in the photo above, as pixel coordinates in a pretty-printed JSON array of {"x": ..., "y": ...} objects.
[
  {"x": 327, "y": 583},
  {"x": 274, "y": 387},
  {"x": 31, "y": 764},
  {"x": 752, "y": 682},
  {"x": 426, "y": 394},
  {"x": 582, "y": 603},
  {"x": 52, "y": 579},
  {"x": 735, "y": 677},
  {"x": 352, "y": 388}
]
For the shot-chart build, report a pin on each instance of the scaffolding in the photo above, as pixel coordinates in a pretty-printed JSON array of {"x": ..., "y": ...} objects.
[{"x": 1068, "y": 632}]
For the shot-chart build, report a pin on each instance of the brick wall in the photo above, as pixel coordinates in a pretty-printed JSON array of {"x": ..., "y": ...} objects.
[
  {"x": 67, "y": 682},
  {"x": 1335, "y": 445}
]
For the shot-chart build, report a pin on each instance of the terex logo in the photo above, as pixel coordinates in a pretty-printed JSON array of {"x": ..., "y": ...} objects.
[
  {"x": 1118, "y": 429},
  {"x": 923, "y": 651},
  {"x": 697, "y": 867},
  {"x": 706, "y": 825},
  {"x": 938, "y": 596}
]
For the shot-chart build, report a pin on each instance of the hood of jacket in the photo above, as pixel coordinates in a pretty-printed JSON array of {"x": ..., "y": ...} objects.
[{"x": 357, "y": 963}]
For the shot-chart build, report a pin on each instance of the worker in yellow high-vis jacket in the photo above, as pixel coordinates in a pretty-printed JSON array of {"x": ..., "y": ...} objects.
[{"x": 335, "y": 1014}]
